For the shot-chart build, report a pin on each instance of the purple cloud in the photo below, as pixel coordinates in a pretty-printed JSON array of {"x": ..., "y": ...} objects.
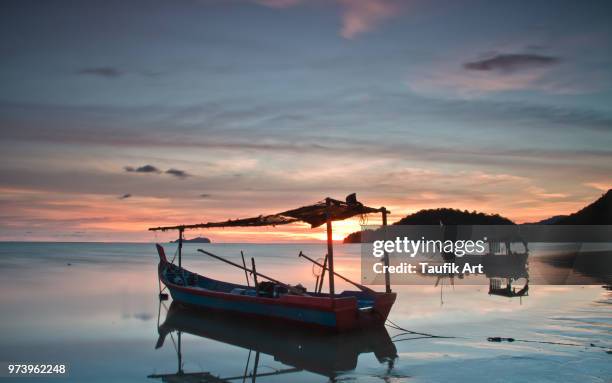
[
  {"x": 178, "y": 173},
  {"x": 511, "y": 62},
  {"x": 142, "y": 169},
  {"x": 104, "y": 71}
]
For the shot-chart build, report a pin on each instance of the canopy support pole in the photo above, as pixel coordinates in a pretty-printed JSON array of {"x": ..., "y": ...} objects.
[
  {"x": 180, "y": 247},
  {"x": 386, "y": 255},
  {"x": 330, "y": 247}
]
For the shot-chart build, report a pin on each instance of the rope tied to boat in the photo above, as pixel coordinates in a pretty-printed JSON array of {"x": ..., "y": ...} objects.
[
  {"x": 395, "y": 326},
  {"x": 498, "y": 339},
  {"x": 494, "y": 339}
]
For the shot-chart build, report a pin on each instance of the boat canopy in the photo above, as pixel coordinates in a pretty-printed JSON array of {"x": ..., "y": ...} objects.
[{"x": 316, "y": 215}]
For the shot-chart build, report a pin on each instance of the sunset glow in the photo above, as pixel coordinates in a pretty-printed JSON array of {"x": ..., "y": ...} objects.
[{"x": 235, "y": 109}]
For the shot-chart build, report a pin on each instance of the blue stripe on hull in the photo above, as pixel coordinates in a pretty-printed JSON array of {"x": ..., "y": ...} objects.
[{"x": 321, "y": 318}]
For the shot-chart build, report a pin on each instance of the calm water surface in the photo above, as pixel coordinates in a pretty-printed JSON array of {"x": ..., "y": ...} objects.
[{"x": 95, "y": 307}]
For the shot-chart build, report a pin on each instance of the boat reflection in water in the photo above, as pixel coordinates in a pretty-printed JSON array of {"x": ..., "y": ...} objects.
[
  {"x": 506, "y": 269},
  {"x": 300, "y": 349},
  {"x": 503, "y": 266}
]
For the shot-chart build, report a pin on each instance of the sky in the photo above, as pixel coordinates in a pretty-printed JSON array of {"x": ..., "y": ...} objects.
[{"x": 116, "y": 116}]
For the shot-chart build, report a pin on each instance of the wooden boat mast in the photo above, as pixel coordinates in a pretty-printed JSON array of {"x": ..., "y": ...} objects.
[
  {"x": 330, "y": 247},
  {"x": 180, "y": 246},
  {"x": 386, "y": 255}
]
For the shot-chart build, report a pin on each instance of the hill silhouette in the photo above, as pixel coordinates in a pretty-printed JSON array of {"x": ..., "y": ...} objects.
[
  {"x": 452, "y": 217},
  {"x": 445, "y": 216},
  {"x": 194, "y": 240},
  {"x": 549, "y": 221},
  {"x": 597, "y": 213},
  {"x": 354, "y": 237}
]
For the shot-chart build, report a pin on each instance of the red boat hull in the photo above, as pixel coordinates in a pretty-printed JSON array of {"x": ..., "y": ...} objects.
[{"x": 349, "y": 310}]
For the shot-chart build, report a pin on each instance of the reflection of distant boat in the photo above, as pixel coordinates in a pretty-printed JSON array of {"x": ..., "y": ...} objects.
[
  {"x": 506, "y": 266},
  {"x": 502, "y": 265},
  {"x": 303, "y": 350},
  {"x": 503, "y": 287}
]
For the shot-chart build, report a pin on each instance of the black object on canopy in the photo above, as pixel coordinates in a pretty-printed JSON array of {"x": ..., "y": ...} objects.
[{"x": 316, "y": 215}]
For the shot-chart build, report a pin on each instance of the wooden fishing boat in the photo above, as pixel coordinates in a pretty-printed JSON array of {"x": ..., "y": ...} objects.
[{"x": 272, "y": 299}]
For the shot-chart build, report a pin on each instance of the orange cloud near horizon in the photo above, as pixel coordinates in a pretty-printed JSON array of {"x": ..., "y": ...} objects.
[{"x": 66, "y": 217}]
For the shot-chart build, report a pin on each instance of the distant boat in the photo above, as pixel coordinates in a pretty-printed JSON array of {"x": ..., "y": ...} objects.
[
  {"x": 273, "y": 299},
  {"x": 194, "y": 240}
]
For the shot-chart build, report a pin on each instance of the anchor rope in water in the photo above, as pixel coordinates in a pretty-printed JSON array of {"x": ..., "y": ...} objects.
[
  {"x": 406, "y": 331},
  {"x": 497, "y": 339}
]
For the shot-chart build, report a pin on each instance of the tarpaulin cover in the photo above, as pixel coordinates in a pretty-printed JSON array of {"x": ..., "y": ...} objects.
[{"x": 316, "y": 215}]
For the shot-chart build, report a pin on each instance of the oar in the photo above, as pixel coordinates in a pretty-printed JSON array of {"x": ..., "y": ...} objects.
[
  {"x": 288, "y": 287},
  {"x": 359, "y": 286}
]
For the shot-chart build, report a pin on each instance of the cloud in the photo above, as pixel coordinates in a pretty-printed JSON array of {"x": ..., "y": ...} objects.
[
  {"x": 473, "y": 83},
  {"x": 142, "y": 169},
  {"x": 64, "y": 125},
  {"x": 152, "y": 169},
  {"x": 103, "y": 71},
  {"x": 278, "y": 3},
  {"x": 125, "y": 196},
  {"x": 178, "y": 173},
  {"x": 600, "y": 185},
  {"x": 509, "y": 63},
  {"x": 360, "y": 16},
  {"x": 498, "y": 73}
]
